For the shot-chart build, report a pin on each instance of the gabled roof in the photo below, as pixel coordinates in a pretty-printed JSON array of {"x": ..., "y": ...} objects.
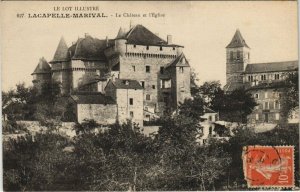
[
  {"x": 272, "y": 67},
  {"x": 61, "y": 53},
  {"x": 89, "y": 48},
  {"x": 140, "y": 35},
  {"x": 42, "y": 67},
  {"x": 126, "y": 84},
  {"x": 237, "y": 41},
  {"x": 179, "y": 61},
  {"x": 229, "y": 87},
  {"x": 91, "y": 98},
  {"x": 208, "y": 110}
]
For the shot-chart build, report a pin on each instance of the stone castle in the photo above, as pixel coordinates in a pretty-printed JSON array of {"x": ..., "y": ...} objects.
[
  {"x": 262, "y": 80},
  {"x": 137, "y": 75}
]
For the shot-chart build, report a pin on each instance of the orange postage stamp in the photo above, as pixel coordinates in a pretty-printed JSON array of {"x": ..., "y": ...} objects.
[{"x": 269, "y": 166}]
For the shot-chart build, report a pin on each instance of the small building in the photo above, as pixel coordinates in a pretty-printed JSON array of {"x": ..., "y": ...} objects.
[
  {"x": 128, "y": 95},
  {"x": 208, "y": 126},
  {"x": 96, "y": 106}
]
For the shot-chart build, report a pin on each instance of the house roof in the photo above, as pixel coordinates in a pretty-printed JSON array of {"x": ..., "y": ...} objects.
[
  {"x": 208, "y": 110},
  {"x": 61, "y": 53},
  {"x": 229, "y": 87},
  {"x": 237, "y": 41},
  {"x": 42, "y": 67},
  {"x": 126, "y": 84},
  {"x": 179, "y": 61},
  {"x": 91, "y": 98},
  {"x": 271, "y": 67},
  {"x": 140, "y": 35}
]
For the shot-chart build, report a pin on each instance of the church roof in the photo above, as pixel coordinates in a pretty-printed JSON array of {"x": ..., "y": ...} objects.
[
  {"x": 179, "y": 61},
  {"x": 140, "y": 35},
  {"x": 126, "y": 84},
  {"x": 271, "y": 67},
  {"x": 61, "y": 53},
  {"x": 91, "y": 98},
  {"x": 237, "y": 41},
  {"x": 42, "y": 67}
]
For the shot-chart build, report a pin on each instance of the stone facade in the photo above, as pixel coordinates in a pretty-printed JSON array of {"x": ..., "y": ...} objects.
[
  {"x": 159, "y": 67},
  {"x": 102, "y": 114}
]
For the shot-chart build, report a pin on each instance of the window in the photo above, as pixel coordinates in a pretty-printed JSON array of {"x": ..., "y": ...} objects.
[
  {"x": 148, "y": 97},
  {"x": 210, "y": 130},
  {"x": 238, "y": 55},
  {"x": 276, "y": 104},
  {"x": 134, "y": 46},
  {"x": 231, "y": 55},
  {"x": 256, "y": 95},
  {"x": 147, "y": 47},
  {"x": 256, "y": 117},
  {"x": 133, "y": 67},
  {"x": 130, "y": 101},
  {"x": 266, "y": 106},
  {"x": 153, "y": 86},
  {"x": 210, "y": 118},
  {"x": 277, "y": 116},
  {"x": 266, "y": 95},
  {"x": 143, "y": 84},
  {"x": 161, "y": 70},
  {"x": 173, "y": 48},
  {"x": 131, "y": 114},
  {"x": 181, "y": 69},
  {"x": 160, "y": 48},
  {"x": 147, "y": 69},
  {"x": 276, "y": 76}
]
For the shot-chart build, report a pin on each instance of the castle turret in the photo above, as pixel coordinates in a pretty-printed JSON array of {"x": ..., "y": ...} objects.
[
  {"x": 41, "y": 74},
  {"x": 60, "y": 66},
  {"x": 237, "y": 57}
]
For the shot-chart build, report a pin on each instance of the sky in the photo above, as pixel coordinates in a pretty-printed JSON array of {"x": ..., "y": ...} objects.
[{"x": 203, "y": 28}]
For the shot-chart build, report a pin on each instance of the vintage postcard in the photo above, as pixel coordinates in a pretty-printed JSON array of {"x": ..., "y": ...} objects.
[{"x": 149, "y": 95}]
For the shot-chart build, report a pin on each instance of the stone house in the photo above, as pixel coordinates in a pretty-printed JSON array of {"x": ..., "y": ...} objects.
[{"x": 263, "y": 80}]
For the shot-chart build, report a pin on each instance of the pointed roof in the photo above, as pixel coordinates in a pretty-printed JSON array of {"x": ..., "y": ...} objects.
[
  {"x": 121, "y": 33},
  {"x": 42, "y": 67},
  {"x": 140, "y": 35},
  {"x": 179, "y": 61},
  {"x": 237, "y": 41},
  {"x": 61, "y": 53}
]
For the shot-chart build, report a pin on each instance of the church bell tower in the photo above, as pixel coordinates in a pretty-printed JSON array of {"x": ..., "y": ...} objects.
[{"x": 237, "y": 57}]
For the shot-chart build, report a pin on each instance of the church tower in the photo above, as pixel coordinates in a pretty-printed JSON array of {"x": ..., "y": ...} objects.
[{"x": 237, "y": 57}]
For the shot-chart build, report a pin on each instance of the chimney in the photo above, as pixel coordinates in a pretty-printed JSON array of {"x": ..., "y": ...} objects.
[
  {"x": 106, "y": 41},
  {"x": 169, "y": 39},
  {"x": 130, "y": 25}
]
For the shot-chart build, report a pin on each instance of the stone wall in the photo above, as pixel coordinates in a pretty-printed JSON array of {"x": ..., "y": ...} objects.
[{"x": 102, "y": 114}]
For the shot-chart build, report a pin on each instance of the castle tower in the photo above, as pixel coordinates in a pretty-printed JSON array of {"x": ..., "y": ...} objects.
[
  {"x": 237, "y": 57},
  {"x": 41, "y": 74},
  {"x": 60, "y": 67}
]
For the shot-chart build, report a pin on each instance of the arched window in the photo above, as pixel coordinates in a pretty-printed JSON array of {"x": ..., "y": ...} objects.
[{"x": 238, "y": 54}]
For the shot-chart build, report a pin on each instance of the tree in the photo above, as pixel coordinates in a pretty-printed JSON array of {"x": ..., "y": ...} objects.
[
  {"x": 234, "y": 106},
  {"x": 210, "y": 91},
  {"x": 290, "y": 95}
]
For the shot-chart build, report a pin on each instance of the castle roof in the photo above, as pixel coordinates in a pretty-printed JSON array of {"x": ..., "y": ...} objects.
[
  {"x": 140, "y": 35},
  {"x": 61, "y": 53},
  {"x": 179, "y": 61},
  {"x": 88, "y": 48},
  {"x": 271, "y": 67},
  {"x": 91, "y": 98},
  {"x": 237, "y": 41},
  {"x": 42, "y": 67},
  {"x": 126, "y": 84}
]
